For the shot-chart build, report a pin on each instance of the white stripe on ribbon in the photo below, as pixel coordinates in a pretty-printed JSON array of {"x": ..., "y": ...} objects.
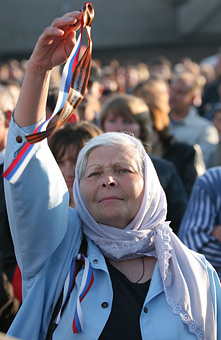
[{"x": 65, "y": 293}]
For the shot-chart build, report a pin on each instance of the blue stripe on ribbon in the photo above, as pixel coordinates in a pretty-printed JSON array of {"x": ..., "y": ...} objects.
[
  {"x": 77, "y": 323},
  {"x": 87, "y": 284},
  {"x": 70, "y": 70}
]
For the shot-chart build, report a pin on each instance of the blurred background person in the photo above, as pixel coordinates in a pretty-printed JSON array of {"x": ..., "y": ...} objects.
[
  {"x": 89, "y": 108},
  {"x": 16, "y": 70},
  {"x": 160, "y": 66},
  {"x": 209, "y": 73},
  {"x": 14, "y": 88},
  {"x": 212, "y": 92},
  {"x": 4, "y": 71},
  {"x": 214, "y": 115},
  {"x": 132, "y": 77},
  {"x": 9, "y": 304},
  {"x": 185, "y": 123},
  {"x": 187, "y": 159}
]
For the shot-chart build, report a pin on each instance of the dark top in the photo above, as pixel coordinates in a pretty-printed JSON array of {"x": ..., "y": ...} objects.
[
  {"x": 186, "y": 159},
  {"x": 210, "y": 96},
  {"x": 174, "y": 189},
  {"x": 128, "y": 300},
  {"x": 8, "y": 304},
  {"x": 6, "y": 244}
]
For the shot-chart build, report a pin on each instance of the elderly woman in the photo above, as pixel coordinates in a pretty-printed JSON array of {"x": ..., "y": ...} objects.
[
  {"x": 136, "y": 274},
  {"x": 129, "y": 114}
]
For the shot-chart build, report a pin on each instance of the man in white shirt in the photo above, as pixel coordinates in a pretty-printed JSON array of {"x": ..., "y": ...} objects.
[{"x": 185, "y": 123}]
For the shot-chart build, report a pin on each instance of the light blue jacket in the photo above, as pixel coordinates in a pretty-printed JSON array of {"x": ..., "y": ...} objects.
[
  {"x": 47, "y": 235},
  {"x": 194, "y": 129}
]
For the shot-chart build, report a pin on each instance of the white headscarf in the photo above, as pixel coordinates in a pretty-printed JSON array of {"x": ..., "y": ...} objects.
[{"x": 184, "y": 275}]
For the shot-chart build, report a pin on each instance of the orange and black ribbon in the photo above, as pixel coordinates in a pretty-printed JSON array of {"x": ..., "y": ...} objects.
[{"x": 78, "y": 84}]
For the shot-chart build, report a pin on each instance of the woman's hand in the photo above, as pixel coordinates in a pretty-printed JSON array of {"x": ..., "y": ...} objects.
[
  {"x": 56, "y": 42},
  {"x": 52, "y": 49}
]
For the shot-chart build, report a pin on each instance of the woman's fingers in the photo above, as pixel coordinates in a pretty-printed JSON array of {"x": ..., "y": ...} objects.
[
  {"x": 50, "y": 32},
  {"x": 69, "y": 19},
  {"x": 63, "y": 25},
  {"x": 76, "y": 14},
  {"x": 57, "y": 41}
]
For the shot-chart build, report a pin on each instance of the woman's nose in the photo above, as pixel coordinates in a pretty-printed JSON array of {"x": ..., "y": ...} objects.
[
  {"x": 108, "y": 181},
  {"x": 69, "y": 170},
  {"x": 121, "y": 127}
]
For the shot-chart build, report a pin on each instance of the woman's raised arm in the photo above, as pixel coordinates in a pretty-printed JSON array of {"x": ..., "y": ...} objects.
[{"x": 52, "y": 49}]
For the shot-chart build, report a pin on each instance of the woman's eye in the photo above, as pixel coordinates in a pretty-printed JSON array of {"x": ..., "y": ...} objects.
[
  {"x": 96, "y": 173},
  {"x": 124, "y": 170}
]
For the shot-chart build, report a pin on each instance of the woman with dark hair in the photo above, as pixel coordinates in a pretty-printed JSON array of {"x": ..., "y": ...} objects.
[
  {"x": 129, "y": 114},
  {"x": 65, "y": 145}
]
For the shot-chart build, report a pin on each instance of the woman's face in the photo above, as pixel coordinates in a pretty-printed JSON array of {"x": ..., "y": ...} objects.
[
  {"x": 121, "y": 124},
  {"x": 67, "y": 163},
  {"x": 112, "y": 187}
]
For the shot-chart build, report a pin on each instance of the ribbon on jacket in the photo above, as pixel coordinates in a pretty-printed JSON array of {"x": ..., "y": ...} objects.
[
  {"x": 73, "y": 86},
  {"x": 86, "y": 283}
]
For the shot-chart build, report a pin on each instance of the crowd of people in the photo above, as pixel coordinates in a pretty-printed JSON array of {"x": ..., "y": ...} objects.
[{"x": 149, "y": 135}]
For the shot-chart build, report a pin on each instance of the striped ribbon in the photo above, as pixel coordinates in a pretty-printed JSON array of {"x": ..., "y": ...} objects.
[
  {"x": 86, "y": 283},
  {"x": 73, "y": 86}
]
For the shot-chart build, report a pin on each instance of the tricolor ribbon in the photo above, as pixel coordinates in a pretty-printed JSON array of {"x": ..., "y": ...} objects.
[
  {"x": 86, "y": 283},
  {"x": 73, "y": 86}
]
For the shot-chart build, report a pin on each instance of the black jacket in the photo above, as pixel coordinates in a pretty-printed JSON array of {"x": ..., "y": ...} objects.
[
  {"x": 188, "y": 161},
  {"x": 6, "y": 244},
  {"x": 174, "y": 190}
]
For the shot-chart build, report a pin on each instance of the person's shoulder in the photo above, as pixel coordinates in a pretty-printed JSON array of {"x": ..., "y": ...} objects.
[
  {"x": 216, "y": 170},
  {"x": 181, "y": 147},
  {"x": 212, "y": 273},
  {"x": 202, "y": 259},
  {"x": 199, "y": 256},
  {"x": 74, "y": 223},
  {"x": 202, "y": 120},
  {"x": 168, "y": 174},
  {"x": 212, "y": 177},
  {"x": 208, "y": 184},
  {"x": 74, "y": 230},
  {"x": 212, "y": 86},
  {"x": 166, "y": 171},
  {"x": 73, "y": 216},
  {"x": 205, "y": 125},
  {"x": 161, "y": 163}
]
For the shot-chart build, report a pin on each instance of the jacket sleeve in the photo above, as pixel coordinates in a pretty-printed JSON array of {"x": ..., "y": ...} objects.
[
  {"x": 202, "y": 214},
  {"x": 37, "y": 204}
]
